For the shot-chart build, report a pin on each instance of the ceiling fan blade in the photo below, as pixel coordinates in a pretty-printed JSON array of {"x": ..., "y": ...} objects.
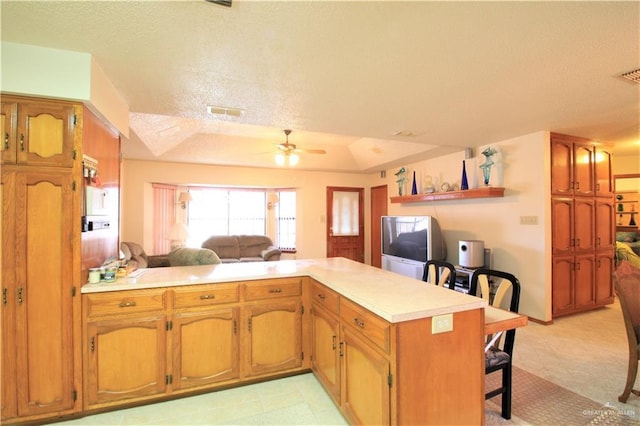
[{"x": 311, "y": 151}]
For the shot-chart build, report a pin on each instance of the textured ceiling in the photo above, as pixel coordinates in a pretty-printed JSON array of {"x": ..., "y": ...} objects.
[{"x": 346, "y": 76}]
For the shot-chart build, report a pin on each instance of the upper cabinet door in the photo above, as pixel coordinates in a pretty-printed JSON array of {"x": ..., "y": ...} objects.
[
  {"x": 604, "y": 180},
  {"x": 8, "y": 125},
  {"x": 561, "y": 167},
  {"x": 37, "y": 133},
  {"x": 583, "y": 169}
]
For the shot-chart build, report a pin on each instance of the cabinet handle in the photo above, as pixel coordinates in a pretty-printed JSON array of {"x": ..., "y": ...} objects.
[
  {"x": 333, "y": 343},
  {"x": 4, "y": 296},
  {"x": 207, "y": 296},
  {"x": 6, "y": 140},
  {"x": 577, "y": 186},
  {"x": 20, "y": 295},
  {"x": 341, "y": 352},
  {"x": 576, "y": 266},
  {"x": 321, "y": 296},
  {"x": 249, "y": 324},
  {"x": 127, "y": 304},
  {"x": 577, "y": 242},
  {"x": 275, "y": 290},
  {"x": 22, "y": 142},
  {"x": 598, "y": 241},
  {"x": 358, "y": 322}
]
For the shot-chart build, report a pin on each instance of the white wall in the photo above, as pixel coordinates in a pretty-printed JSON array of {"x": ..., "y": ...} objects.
[
  {"x": 61, "y": 74},
  {"x": 626, "y": 164},
  {"x": 137, "y": 199},
  {"x": 522, "y": 167}
]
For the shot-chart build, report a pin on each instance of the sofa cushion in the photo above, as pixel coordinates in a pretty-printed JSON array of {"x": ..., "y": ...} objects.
[
  {"x": 225, "y": 246},
  {"x": 134, "y": 255},
  {"x": 253, "y": 245},
  {"x": 184, "y": 256},
  {"x": 627, "y": 237}
]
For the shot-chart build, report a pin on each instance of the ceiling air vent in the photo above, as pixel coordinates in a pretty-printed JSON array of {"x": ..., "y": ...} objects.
[
  {"x": 632, "y": 75},
  {"x": 219, "y": 110}
]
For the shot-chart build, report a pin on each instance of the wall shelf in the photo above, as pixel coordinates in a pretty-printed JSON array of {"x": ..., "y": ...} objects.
[{"x": 486, "y": 192}]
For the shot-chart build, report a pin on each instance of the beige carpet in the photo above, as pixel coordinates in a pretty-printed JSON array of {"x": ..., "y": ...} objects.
[{"x": 537, "y": 401}]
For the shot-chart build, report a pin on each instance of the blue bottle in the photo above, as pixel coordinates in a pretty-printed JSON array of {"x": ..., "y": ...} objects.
[
  {"x": 414, "y": 187},
  {"x": 465, "y": 184}
]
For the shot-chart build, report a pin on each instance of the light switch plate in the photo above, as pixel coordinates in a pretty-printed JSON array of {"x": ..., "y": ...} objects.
[{"x": 442, "y": 323}]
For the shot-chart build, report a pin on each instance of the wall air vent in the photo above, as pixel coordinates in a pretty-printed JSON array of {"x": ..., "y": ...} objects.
[{"x": 632, "y": 75}]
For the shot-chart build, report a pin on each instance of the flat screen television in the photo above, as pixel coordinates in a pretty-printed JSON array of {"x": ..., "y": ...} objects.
[{"x": 415, "y": 238}]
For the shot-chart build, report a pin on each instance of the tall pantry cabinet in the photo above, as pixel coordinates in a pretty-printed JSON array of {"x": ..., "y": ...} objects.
[
  {"x": 41, "y": 209},
  {"x": 583, "y": 228}
]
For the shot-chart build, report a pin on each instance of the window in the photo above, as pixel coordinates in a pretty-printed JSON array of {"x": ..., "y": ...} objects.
[
  {"x": 219, "y": 211},
  {"x": 223, "y": 211},
  {"x": 285, "y": 212}
]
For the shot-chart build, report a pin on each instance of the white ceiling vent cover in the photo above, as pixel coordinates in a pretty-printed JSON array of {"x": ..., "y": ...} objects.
[
  {"x": 632, "y": 75},
  {"x": 219, "y": 110}
]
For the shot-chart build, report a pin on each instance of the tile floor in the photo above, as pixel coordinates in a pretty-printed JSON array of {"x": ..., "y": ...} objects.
[{"x": 297, "y": 400}]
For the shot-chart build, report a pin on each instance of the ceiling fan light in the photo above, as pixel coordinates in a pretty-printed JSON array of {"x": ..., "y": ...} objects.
[
  {"x": 293, "y": 159},
  {"x": 280, "y": 160}
]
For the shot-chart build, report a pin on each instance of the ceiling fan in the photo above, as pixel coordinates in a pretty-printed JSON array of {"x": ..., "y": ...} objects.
[{"x": 288, "y": 152}]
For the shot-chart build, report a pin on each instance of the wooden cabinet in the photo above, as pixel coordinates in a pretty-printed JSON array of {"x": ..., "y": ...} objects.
[
  {"x": 37, "y": 132},
  {"x": 126, "y": 360},
  {"x": 582, "y": 222},
  {"x": 366, "y": 377},
  {"x": 272, "y": 321},
  {"x": 326, "y": 339},
  {"x": 143, "y": 344},
  {"x": 572, "y": 166},
  {"x": 125, "y": 347},
  {"x": 604, "y": 172},
  {"x": 383, "y": 373},
  {"x": 206, "y": 343},
  {"x": 205, "y": 348},
  {"x": 572, "y": 227},
  {"x": 39, "y": 231}
]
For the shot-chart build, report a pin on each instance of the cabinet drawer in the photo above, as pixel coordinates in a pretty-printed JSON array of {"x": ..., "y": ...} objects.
[
  {"x": 268, "y": 289},
  {"x": 370, "y": 325},
  {"x": 206, "y": 295},
  {"x": 125, "y": 302},
  {"x": 325, "y": 297}
]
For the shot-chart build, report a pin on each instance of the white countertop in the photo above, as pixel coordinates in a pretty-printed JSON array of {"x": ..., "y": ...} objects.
[{"x": 392, "y": 296}]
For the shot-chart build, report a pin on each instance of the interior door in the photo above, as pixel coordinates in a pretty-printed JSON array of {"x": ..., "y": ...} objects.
[
  {"x": 378, "y": 209},
  {"x": 345, "y": 223}
]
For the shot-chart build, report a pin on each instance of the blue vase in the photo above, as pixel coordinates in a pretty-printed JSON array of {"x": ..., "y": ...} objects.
[
  {"x": 414, "y": 187},
  {"x": 465, "y": 184}
]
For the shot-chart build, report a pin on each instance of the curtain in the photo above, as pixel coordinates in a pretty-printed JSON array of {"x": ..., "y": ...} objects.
[{"x": 164, "y": 216}]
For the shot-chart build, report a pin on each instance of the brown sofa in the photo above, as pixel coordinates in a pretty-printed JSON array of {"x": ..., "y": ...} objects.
[{"x": 242, "y": 248}]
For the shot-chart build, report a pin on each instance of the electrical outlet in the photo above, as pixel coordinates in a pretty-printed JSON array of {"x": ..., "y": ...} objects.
[
  {"x": 442, "y": 323},
  {"x": 528, "y": 220}
]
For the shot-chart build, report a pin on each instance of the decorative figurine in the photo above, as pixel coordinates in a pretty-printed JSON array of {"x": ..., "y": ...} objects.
[
  {"x": 401, "y": 179},
  {"x": 486, "y": 166}
]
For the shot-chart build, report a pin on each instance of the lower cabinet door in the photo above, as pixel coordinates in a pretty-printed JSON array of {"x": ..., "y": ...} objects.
[
  {"x": 584, "y": 281},
  {"x": 205, "y": 348},
  {"x": 563, "y": 291},
  {"x": 365, "y": 382},
  {"x": 273, "y": 337},
  {"x": 126, "y": 359},
  {"x": 605, "y": 267},
  {"x": 325, "y": 355}
]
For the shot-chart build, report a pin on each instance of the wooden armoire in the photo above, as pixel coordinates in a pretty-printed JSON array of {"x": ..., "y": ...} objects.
[{"x": 583, "y": 225}]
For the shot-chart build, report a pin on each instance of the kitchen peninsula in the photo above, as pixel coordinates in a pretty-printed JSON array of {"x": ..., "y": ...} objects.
[{"x": 387, "y": 348}]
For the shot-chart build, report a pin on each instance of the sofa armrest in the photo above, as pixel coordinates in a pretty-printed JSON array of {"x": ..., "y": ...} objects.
[
  {"x": 159, "y": 260},
  {"x": 271, "y": 253}
]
